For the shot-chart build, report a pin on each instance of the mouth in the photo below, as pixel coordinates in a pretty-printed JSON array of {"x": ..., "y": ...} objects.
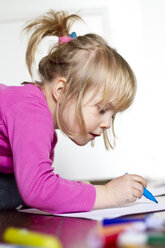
[{"x": 93, "y": 135}]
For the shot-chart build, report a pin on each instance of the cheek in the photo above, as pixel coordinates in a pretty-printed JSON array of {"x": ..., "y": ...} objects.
[
  {"x": 90, "y": 118},
  {"x": 68, "y": 117},
  {"x": 70, "y": 120}
]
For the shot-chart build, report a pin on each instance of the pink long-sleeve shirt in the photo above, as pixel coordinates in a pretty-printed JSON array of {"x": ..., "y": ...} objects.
[{"x": 27, "y": 141}]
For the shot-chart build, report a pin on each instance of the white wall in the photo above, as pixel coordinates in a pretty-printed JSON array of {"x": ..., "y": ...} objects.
[{"x": 137, "y": 29}]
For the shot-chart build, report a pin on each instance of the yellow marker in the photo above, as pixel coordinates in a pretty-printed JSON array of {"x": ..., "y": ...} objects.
[{"x": 25, "y": 237}]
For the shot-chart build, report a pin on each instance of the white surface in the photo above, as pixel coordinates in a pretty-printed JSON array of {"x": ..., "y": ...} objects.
[
  {"x": 140, "y": 206},
  {"x": 157, "y": 191}
]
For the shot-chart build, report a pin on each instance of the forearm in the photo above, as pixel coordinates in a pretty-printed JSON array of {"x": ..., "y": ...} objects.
[{"x": 101, "y": 200}]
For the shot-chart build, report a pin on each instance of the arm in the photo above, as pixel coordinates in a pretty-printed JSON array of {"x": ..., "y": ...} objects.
[
  {"x": 122, "y": 190},
  {"x": 31, "y": 134}
]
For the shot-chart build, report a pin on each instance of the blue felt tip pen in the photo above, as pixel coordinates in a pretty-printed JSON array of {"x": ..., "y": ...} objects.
[
  {"x": 149, "y": 195},
  {"x": 115, "y": 221}
]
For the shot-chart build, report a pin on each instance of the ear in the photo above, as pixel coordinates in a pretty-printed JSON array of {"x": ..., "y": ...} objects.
[{"x": 58, "y": 88}]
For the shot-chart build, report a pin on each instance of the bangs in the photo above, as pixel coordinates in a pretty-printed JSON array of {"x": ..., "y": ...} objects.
[
  {"x": 119, "y": 91},
  {"x": 116, "y": 78}
]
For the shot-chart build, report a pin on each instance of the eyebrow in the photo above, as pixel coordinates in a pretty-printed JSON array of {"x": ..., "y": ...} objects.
[{"x": 111, "y": 107}]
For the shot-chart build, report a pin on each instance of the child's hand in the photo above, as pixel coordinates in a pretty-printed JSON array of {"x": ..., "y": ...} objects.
[
  {"x": 125, "y": 189},
  {"x": 122, "y": 190}
]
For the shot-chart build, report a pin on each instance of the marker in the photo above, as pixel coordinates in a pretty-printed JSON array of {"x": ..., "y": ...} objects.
[
  {"x": 152, "y": 222},
  {"x": 107, "y": 222},
  {"x": 118, "y": 228},
  {"x": 148, "y": 195},
  {"x": 13, "y": 246},
  {"x": 139, "y": 238},
  {"x": 28, "y": 238},
  {"x": 111, "y": 240}
]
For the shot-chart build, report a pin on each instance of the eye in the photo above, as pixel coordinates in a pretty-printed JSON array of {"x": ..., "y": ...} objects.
[{"x": 102, "y": 111}]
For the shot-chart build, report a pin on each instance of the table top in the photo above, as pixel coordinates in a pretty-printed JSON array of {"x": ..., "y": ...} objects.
[{"x": 72, "y": 232}]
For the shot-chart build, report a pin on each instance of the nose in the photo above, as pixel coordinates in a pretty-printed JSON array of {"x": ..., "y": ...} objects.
[{"x": 106, "y": 123}]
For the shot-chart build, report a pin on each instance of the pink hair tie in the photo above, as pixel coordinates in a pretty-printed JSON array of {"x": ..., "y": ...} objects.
[{"x": 66, "y": 39}]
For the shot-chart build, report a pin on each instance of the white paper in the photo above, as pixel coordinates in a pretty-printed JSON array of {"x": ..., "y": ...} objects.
[
  {"x": 157, "y": 190},
  {"x": 140, "y": 206}
]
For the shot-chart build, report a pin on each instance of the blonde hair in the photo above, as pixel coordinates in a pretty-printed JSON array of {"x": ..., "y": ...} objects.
[{"x": 86, "y": 62}]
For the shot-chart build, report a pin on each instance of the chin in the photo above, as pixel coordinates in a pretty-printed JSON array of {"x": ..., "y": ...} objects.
[{"x": 80, "y": 142}]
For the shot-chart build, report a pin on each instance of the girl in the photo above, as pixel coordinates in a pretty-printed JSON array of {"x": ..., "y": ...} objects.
[{"x": 84, "y": 83}]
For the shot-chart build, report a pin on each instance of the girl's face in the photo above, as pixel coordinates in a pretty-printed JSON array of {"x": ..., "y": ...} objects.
[{"x": 96, "y": 118}]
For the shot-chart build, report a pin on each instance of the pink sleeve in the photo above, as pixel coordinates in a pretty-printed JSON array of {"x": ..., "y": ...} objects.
[{"x": 30, "y": 130}]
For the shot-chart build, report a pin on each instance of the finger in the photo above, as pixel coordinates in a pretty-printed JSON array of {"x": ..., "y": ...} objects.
[
  {"x": 133, "y": 199},
  {"x": 137, "y": 193},
  {"x": 139, "y": 179},
  {"x": 139, "y": 187}
]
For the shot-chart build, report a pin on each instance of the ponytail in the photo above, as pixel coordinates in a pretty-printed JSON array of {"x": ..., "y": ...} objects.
[{"x": 52, "y": 24}]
